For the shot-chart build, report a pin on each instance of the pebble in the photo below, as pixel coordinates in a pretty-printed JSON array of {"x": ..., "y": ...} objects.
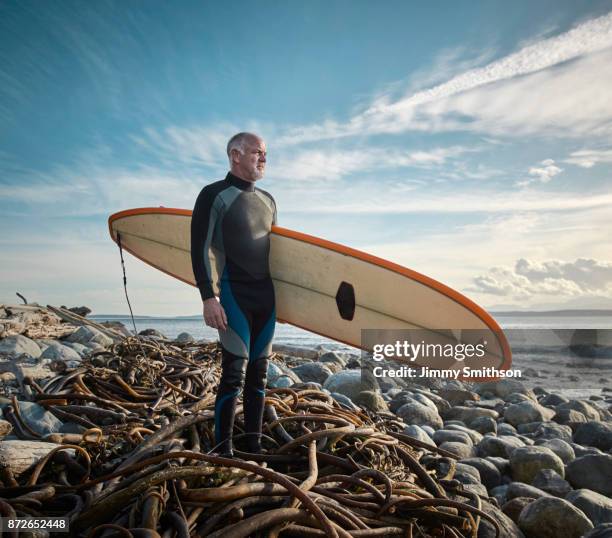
[
  {"x": 419, "y": 414},
  {"x": 527, "y": 411},
  {"x": 526, "y": 462},
  {"x": 549, "y": 481},
  {"x": 595, "y": 433},
  {"x": 597, "y": 507},
  {"x": 490, "y": 475},
  {"x": 591, "y": 472},
  {"x": 19, "y": 345}
]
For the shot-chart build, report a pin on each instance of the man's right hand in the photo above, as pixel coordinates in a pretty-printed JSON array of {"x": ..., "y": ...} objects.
[{"x": 214, "y": 314}]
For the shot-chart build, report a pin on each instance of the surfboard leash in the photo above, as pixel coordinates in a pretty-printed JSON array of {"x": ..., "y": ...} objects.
[{"x": 125, "y": 283}]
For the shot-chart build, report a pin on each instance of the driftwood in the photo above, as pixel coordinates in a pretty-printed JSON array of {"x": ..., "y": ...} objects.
[
  {"x": 33, "y": 321},
  {"x": 19, "y": 455},
  {"x": 75, "y": 319}
]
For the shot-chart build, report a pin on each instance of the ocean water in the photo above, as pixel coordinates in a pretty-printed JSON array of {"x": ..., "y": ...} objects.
[{"x": 288, "y": 335}]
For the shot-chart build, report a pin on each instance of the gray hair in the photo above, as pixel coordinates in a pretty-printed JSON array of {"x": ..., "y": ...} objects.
[{"x": 237, "y": 142}]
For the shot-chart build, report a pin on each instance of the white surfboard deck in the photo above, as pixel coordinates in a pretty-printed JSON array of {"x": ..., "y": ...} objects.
[{"x": 308, "y": 274}]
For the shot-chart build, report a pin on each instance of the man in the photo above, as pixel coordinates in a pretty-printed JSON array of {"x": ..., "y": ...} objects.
[{"x": 232, "y": 220}]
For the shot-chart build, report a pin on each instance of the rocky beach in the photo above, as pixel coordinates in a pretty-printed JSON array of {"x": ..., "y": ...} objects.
[{"x": 113, "y": 432}]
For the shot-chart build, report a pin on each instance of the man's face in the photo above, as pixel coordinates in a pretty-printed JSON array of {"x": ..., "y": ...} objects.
[{"x": 250, "y": 164}]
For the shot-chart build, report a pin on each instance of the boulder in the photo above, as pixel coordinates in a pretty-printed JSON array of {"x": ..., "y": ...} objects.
[
  {"x": 372, "y": 401},
  {"x": 550, "y": 482},
  {"x": 39, "y": 419},
  {"x": 501, "y": 446},
  {"x": 489, "y": 473},
  {"x": 419, "y": 414},
  {"x": 550, "y": 430},
  {"x": 185, "y": 338},
  {"x": 332, "y": 357},
  {"x": 444, "y": 435},
  {"x": 484, "y": 425},
  {"x": 526, "y": 462},
  {"x": 587, "y": 409},
  {"x": 591, "y": 472},
  {"x": 504, "y": 428},
  {"x": 514, "y": 507},
  {"x": 313, "y": 371},
  {"x": 457, "y": 396},
  {"x": 19, "y": 345},
  {"x": 418, "y": 433},
  {"x": 88, "y": 336},
  {"x": 507, "y": 527},
  {"x": 60, "y": 352},
  {"x": 527, "y": 411},
  {"x": 553, "y": 400},
  {"x": 569, "y": 417},
  {"x": 473, "y": 434},
  {"x": 350, "y": 383},
  {"x": 459, "y": 449},
  {"x": 468, "y": 414},
  {"x": 550, "y": 517},
  {"x": 503, "y": 388},
  {"x": 344, "y": 401},
  {"x": 597, "y": 507},
  {"x": 519, "y": 489},
  {"x": 561, "y": 448},
  {"x": 279, "y": 376},
  {"x": 601, "y": 531},
  {"x": 594, "y": 433}
]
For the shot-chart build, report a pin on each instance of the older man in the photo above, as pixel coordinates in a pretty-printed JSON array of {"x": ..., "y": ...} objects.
[{"x": 232, "y": 220}]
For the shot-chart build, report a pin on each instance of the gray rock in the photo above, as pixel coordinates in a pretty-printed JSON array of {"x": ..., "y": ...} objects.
[
  {"x": 344, "y": 400},
  {"x": 514, "y": 507},
  {"x": 550, "y": 517},
  {"x": 350, "y": 383},
  {"x": 517, "y": 397},
  {"x": 598, "y": 508},
  {"x": 460, "y": 450},
  {"x": 88, "y": 336},
  {"x": 457, "y": 396},
  {"x": 550, "y": 430},
  {"x": 527, "y": 461},
  {"x": 502, "y": 464},
  {"x": 153, "y": 333},
  {"x": 501, "y": 446},
  {"x": 372, "y": 400},
  {"x": 59, "y": 352},
  {"x": 484, "y": 425},
  {"x": 591, "y": 472},
  {"x": 39, "y": 419},
  {"x": 553, "y": 400},
  {"x": 443, "y": 436},
  {"x": 185, "y": 338},
  {"x": 467, "y": 474},
  {"x": 313, "y": 371},
  {"x": 569, "y": 417},
  {"x": 507, "y": 527},
  {"x": 425, "y": 400},
  {"x": 474, "y": 435},
  {"x": 400, "y": 399},
  {"x": 489, "y": 473},
  {"x": 418, "y": 433},
  {"x": 550, "y": 482},
  {"x": 580, "y": 450},
  {"x": 601, "y": 531},
  {"x": 79, "y": 348},
  {"x": 19, "y": 345},
  {"x": 419, "y": 414},
  {"x": 504, "y": 428},
  {"x": 468, "y": 414},
  {"x": 333, "y": 357},
  {"x": 279, "y": 376},
  {"x": 499, "y": 493},
  {"x": 528, "y": 411},
  {"x": 520, "y": 489},
  {"x": 503, "y": 388},
  {"x": 561, "y": 448},
  {"x": 586, "y": 408},
  {"x": 594, "y": 433}
]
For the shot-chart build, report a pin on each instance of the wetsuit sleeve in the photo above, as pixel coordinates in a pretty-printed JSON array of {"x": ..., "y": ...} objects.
[{"x": 203, "y": 221}]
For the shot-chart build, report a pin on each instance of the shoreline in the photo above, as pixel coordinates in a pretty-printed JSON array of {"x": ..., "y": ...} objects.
[{"x": 516, "y": 443}]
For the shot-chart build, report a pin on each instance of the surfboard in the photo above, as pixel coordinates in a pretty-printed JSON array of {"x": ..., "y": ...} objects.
[{"x": 327, "y": 288}]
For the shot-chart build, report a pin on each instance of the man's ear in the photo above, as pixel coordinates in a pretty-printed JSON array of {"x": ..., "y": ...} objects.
[{"x": 235, "y": 154}]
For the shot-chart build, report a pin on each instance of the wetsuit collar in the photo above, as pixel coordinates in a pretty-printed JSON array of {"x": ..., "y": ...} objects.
[{"x": 242, "y": 184}]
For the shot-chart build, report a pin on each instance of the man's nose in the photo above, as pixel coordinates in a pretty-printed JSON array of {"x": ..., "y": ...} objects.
[{"x": 262, "y": 158}]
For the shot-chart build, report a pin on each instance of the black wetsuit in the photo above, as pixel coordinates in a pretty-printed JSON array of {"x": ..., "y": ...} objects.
[{"x": 232, "y": 220}]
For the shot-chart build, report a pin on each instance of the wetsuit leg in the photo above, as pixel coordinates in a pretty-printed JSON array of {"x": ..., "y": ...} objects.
[
  {"x": 262, "y": 331},
  {"x": 235, "y": 343}
]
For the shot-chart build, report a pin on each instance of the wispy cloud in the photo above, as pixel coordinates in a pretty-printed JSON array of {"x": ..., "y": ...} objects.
[
  {"x": 435, "y": 109},
  {"x": 587, "y": 158}
]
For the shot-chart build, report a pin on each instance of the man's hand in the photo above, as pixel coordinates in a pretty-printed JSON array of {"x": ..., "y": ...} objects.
[{"x": 214, "y": 315}]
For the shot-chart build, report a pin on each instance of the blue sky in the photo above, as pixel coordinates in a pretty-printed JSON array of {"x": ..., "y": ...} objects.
[{"x": 470, "y": 141}]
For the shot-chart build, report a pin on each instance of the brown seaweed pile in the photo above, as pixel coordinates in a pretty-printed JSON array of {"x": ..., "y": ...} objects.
[{"x": 144, "y": 465}]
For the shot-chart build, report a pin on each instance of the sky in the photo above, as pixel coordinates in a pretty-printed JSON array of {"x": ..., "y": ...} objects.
[{"x": 469, "y": 141}]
